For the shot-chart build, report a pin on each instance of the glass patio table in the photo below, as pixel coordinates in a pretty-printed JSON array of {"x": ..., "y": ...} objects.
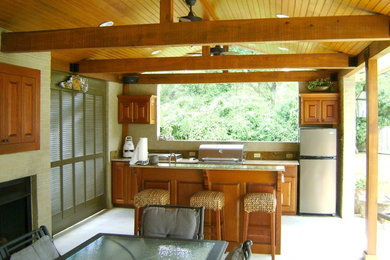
[{"x": 113, "y": 246}]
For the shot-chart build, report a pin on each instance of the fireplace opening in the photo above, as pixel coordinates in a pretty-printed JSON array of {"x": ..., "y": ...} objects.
[{"x": 15, "y": 209}]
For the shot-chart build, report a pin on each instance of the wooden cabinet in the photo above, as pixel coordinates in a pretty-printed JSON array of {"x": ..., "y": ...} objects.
[
  {"x": 123, "y": 184},
  {"x": 289, "y": 190},
  {"x": 19, "y": 109},
  {"x": 137, "y": 109},
  {"x": 319, "y": 108},
  {"x": 182, "y": 183}
]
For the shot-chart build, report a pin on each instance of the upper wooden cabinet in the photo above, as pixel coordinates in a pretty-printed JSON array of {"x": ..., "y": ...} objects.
[
  {"x": 19, "y": 109},
  {"x": 319, "y": 108},
  {"x": 137, "y": 109}
]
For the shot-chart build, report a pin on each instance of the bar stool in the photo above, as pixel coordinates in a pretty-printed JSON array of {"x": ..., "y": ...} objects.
[
  {"x": 145, "y": 197},
  {"x": 212, "y": 200},
  {"x": 260, "y": 202}
]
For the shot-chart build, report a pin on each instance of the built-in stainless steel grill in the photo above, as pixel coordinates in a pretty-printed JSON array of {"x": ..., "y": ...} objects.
[{"x": 221, "y": 153}]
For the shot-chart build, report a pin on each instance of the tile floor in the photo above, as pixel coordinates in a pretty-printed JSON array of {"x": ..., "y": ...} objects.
[{"x": 303, "y": 237}]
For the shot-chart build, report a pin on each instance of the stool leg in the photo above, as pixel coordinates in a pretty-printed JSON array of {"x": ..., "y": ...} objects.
[
  {"x": 273, "y": 235},
  {"x": 218, "y": 223},
  {"x": 245, "y": 226},
  {"x": 136, "y": 221}
]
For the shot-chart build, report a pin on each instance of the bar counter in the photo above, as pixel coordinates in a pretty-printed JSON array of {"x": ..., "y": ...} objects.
[{"x": 182, "y": 180}]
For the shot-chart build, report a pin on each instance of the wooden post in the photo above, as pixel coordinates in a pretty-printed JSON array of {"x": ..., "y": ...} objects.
[
  {"x": 125, "y": 127},
  {"x": 372, "y": 157},
  {"x": 166, "y": 11},
  {"x": 205, "y": 50}
]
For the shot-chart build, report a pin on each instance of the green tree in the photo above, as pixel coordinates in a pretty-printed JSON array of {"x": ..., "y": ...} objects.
[
  {"x": 383, "y": 109},
  {"x": 222, "y": 112}
]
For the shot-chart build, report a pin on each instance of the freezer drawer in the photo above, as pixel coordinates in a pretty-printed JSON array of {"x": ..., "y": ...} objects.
[{"x": 317, "y": 186}]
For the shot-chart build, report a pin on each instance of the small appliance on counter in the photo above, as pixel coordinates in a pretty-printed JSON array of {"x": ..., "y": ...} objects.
[
  {"x": 128, "y": 147},
  {"x": 141, "y": 152}
]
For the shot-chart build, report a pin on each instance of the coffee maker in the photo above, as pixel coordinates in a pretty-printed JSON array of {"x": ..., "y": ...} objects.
[{"x": 128, "y": 147}]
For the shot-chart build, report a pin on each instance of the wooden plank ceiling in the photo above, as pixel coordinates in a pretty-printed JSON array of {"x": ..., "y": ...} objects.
[{"x": 34, "y": 15}]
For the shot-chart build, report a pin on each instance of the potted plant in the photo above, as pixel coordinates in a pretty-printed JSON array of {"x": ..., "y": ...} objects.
[{"x": 320, "y": 85}]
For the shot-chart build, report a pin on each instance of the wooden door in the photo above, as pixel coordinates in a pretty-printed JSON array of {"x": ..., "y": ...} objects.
[
  {"x": 311, "y": 111},
  {"x": 29, "y": 107},
  {"x": 330, "y": 111},
  {"x": 11, "y": 114}
]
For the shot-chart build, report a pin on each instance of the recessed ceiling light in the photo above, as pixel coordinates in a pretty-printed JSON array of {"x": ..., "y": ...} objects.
[
  {"x": 282, "y": 16},
  {"x": 106, "y": 24},
  {"x": 156, "y": 52},
  {"x": 283, "y": 48}
]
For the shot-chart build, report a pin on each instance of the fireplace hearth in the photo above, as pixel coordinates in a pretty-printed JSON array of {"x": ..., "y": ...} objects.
[{"x": 15, "y": 209}]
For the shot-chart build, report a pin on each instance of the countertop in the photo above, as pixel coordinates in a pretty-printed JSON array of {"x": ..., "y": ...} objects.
[
  {"x": 238, "y": 167},
  {"x": 247, "y": 162}
]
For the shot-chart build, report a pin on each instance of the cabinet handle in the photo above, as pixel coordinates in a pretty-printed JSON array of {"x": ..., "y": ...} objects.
[{"x": 5, "y": 140}]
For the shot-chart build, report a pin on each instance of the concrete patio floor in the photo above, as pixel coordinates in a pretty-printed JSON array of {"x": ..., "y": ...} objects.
[{"x": 303, "y": 237}]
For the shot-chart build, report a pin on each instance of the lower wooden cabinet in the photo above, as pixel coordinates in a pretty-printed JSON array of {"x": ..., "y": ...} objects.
[
  {"x": 123, "y": 184},
  {"x": 124, "y": 187},
  {"x": 289, "y": 190}
]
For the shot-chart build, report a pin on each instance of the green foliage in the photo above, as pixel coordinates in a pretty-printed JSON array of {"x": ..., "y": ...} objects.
[
  {"x": 227, "y": 112},
  {"x": 320, "y": 83},
  {"x": 383, "y": 109},
  {"x": 360, "y": 183}
]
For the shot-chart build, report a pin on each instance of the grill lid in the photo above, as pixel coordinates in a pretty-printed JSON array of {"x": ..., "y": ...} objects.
[{"x": 221, "y": 153}]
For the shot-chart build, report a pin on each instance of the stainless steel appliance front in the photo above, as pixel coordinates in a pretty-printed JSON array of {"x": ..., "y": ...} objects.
[{"x": 318, "y": 171}]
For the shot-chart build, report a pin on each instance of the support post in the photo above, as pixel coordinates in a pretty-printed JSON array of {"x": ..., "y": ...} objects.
[
  {"x": 166, "y": 11},
  {"x": 125, "y": 127},
  {"x": 372, "y": 157}
]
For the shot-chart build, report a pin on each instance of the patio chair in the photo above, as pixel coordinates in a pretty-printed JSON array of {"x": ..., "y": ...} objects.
[
  {"x": 35, "y": 245},
  {"x": 241, "y": 252},
  {"x": 172, "y": 221}
]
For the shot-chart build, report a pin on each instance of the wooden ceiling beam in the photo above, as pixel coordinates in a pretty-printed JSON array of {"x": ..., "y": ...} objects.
[
  {"x": 312, "y": 61},
  {"x": 267, "y": 76},
  {"x": 336, "y": 28},
  {"x": 374, "y": 50}
]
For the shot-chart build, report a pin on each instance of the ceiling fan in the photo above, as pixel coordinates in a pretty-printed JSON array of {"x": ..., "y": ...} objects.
[
  {"x": 218, "y": 50},
  {"x": 190, "y": 17}
]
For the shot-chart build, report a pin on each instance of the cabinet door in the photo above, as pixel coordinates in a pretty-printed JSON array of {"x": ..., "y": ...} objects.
[
  {"x": 126, "y": 112},
  {"x": 119, "y": 183},
  {"x": 11, "y": 113},
  {"x": 29, "y": 113},
  {"x": 141, "y": 112},
  {"x": 289, "y": 190},
  {"x": 288, "y": 200},
  {"x": 311, "y": 111},
  {"x": 330, "y": 111}
]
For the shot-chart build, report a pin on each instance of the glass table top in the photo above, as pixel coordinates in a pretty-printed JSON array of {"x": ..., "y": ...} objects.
[{"x": 108, "y": 246}]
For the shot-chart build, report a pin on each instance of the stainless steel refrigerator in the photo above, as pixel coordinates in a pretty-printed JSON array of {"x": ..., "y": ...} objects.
[{"x": 318, "y": 175}]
